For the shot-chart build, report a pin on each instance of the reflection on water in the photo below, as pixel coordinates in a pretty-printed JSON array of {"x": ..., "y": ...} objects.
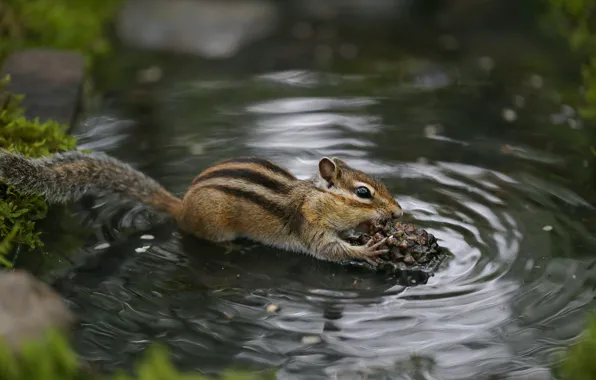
[{"x": 512, "y": 296}]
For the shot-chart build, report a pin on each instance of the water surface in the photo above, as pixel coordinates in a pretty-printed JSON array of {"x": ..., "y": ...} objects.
[{"x": 467, "y": 152}]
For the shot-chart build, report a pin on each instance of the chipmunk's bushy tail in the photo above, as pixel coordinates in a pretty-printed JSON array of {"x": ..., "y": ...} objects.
[{"x": 68, "y": 176}]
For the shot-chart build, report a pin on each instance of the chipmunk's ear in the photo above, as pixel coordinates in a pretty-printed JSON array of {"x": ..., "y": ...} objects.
[
  {"x": 339, "y": 163},
  {"x": 328, "y": 169}
]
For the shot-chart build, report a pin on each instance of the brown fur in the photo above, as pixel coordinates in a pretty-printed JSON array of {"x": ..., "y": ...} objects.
[
  {"x": 240, "y": 197},
  {"x": 307, "y": 219}
]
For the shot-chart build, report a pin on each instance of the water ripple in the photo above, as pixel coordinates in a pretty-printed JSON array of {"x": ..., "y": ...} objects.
[{"x": 510, "y": 296}]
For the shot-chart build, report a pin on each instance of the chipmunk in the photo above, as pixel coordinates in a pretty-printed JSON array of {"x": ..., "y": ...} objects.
[{"x": 244, "y": 197}]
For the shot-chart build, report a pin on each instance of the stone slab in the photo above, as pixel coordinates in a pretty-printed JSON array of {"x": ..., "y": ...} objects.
[
  {"x": 51, "y": 81},
  {"x": 28, "y": 308}
]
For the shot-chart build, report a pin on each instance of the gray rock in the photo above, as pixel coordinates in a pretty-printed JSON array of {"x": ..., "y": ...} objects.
[
  {"x": 51, "y": 81},
  {"x": 369, "y": 10},
  {"x": 28, "y": 308},
  {"x": 207, "y": 28}
]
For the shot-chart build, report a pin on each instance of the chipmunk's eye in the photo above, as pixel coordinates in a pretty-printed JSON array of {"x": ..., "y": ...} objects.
[{"x": 363, "y": 192}]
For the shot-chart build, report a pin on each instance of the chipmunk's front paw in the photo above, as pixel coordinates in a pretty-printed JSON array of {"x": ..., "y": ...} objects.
[{"x": 371, "y": 250}]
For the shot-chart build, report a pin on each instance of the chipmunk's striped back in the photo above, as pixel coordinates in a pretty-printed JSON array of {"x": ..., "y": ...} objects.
[
  {"x": 252, "y": 179},
  {"x": 247, "y": 196}
]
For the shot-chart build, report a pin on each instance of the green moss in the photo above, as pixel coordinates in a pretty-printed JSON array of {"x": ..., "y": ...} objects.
[
  {"x": 7, "y": 243},
  {"x": 52, "y": 358},
  {"x": 62, "y": 24},
  {"x": 579, "y": 361},
  {"x": 32, "y": 139},
  {"x": 77, "y": 25}
]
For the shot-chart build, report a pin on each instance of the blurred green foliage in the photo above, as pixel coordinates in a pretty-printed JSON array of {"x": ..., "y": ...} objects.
[
  {"x": 579, "y": 362},
  {"x": 18, "y": 212},
  {"x": 576, "y": 21},
  {"x": 62, "y": 24},
  {"x": 52, "y": 358}
]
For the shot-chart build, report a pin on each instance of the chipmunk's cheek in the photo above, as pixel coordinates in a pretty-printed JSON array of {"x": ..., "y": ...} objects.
[{"x": 364, "y": 226}]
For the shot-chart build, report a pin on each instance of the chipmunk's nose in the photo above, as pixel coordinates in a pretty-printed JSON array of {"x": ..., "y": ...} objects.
[{"x": 397, "y": 213}]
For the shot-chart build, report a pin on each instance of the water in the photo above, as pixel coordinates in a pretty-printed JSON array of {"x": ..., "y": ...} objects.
[{"x": 494, "y": 186}]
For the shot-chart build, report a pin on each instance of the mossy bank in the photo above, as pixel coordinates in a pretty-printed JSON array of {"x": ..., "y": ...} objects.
[
  {"x": 19, "y": 212},
  {"x": 75, "y": 25}
]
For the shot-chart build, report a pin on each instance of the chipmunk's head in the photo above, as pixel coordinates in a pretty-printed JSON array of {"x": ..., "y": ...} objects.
[{"x": 356, "y": 198}]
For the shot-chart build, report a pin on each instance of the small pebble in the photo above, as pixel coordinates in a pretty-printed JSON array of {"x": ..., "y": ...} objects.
[
  {"x": 536, "y": 81},
  {"x": 547, "y": 228},
  {"x": 311, "y": 339},
  {"x": 430, "y": 131},
  {"x": 272, "y": 308},
  {"x": 102, "y": 246},
  {"x": 196, "y": 149},
  {"x": 519, "y": 101},
  {"x": 529, "y": 265},
  {"x": 150, "y": 75},
  {"x": 574, "y": 124},
  {"x": 142, "y": 249},
  {"x": 486, "y": 63},
  {"x": 567, "y": 110},
  {"x": 147, "y": 237},
  {"x": 509, "y": 114}
]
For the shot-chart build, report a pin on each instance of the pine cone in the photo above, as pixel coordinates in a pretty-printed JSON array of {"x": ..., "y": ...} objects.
[{"x": 407, "y": 244}]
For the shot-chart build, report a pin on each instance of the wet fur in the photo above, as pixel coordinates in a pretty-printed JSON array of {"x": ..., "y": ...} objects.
[{"x": 244, "y": 197}]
